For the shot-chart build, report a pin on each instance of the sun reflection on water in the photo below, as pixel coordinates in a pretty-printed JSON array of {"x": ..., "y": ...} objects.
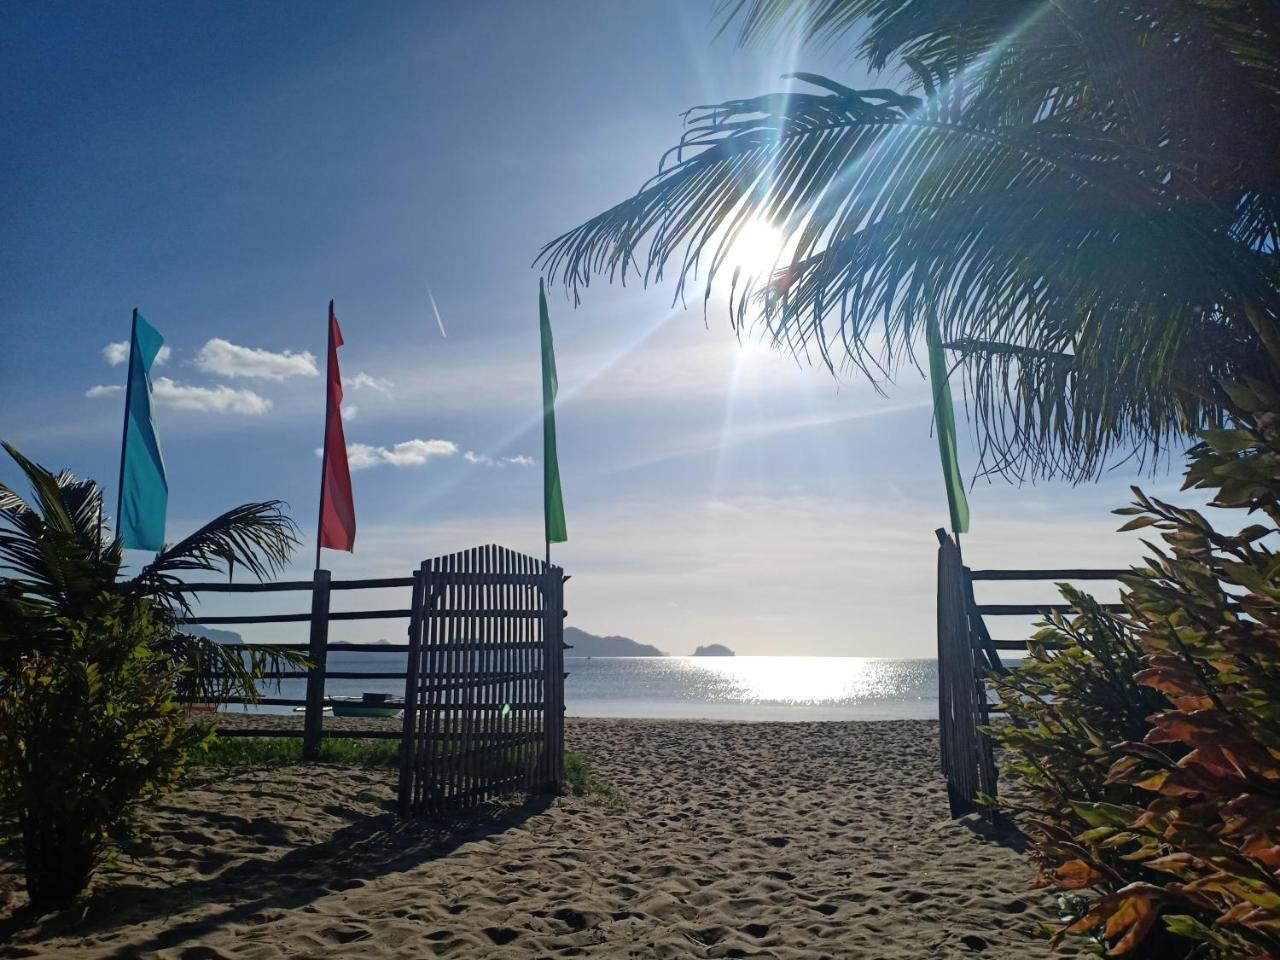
[{"x": 799, "y": 680}]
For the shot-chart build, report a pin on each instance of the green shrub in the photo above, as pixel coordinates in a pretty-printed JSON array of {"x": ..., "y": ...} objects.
[
  {"x": 87, "y": 728},
  {"x": 89, "y": 664},
  {"x": 1073, "y": 698},
  {"x": 1183, "y": 833}
]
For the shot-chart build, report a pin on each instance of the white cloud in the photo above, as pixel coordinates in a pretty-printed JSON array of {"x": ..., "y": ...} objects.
[
  {"x": 180, "y": 396},
  {"x": 349, "y": 411},
  {"x": 118, "y": 352},
  {"x": 407, "y": 453},
  {"x": 232, "y": 360},
  {"x": 484, "y": 460},
  {"x": 364, "y": 381},
  {"x": 219, "y": 399}
]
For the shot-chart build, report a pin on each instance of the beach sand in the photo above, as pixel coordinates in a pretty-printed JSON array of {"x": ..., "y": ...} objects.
[{"x": 788, "y": 840}]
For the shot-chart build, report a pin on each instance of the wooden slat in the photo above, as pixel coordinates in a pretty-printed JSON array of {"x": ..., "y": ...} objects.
[
  {"x": 246, "y": 618},
  {"x": 279, "y": 586},
  {"x": 1022, "y": 645},
  {"x": 331, "y": 674},
  {"x": 1035, "y": 609},
  {"x": 1070, "y": 574},
  {"x": 285, "y": 586},
  {"x": 397, "y": 614},
  {"x": 295, "y": 733},
  {"x": 382, "y": 583}
]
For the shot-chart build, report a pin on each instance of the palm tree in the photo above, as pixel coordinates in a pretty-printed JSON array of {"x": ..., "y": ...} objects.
[
  {"x": 57, "y": 558},
  {"x": 1081, "y": 195},
  {"x": 92, "y": 667}
]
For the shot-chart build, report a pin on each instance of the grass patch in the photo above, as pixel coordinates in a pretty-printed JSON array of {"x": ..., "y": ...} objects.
[
  {"x": 270, "y": 752},
  {"x": 581, "y": 781},
  {"x": 266, "y": 753}
]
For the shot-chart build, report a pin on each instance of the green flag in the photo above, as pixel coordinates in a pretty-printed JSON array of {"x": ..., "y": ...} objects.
[
  {"x": 552, "y": 499},
  {"x": 944, "y": 416},
  {"x": 144, "y": 491}
]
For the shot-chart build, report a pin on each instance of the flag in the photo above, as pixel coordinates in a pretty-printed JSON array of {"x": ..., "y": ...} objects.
[
  {"x": 944, "y": 416},
  {"x": 337, "y": 509},
  {"x": 552, "y": 499},
  {"x": 144, "y": 491}
]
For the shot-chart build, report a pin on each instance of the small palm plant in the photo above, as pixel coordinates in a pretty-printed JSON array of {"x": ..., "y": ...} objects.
[{"x": 91, "y": 666}]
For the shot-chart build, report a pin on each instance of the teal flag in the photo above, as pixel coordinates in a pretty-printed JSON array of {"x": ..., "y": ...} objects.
[
  {"x": 552, "y": 498},
  {"x": 944, "y": 416},
  {"x": 144, "y": 492}
]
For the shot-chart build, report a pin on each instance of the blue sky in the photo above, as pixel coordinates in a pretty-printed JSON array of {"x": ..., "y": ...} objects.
[{"x": 227, "y": 168}]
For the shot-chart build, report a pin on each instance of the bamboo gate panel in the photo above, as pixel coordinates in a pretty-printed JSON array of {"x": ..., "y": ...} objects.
[
  {"x": 484, "y": 692},
  {"x": 967, "y": 656}
]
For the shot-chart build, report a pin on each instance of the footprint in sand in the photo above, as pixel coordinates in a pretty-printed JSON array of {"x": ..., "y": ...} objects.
[
  {"x": 572, "y": 919},
  {"x": 501, "y": 936}
]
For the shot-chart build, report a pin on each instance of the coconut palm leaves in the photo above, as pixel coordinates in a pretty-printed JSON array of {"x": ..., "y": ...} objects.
[
  {"x": 57, "y": 559},
  {"x": 1091, "y": 249}
]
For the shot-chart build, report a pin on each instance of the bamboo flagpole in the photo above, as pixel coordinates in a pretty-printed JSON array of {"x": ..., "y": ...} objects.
[{"x": 336, "y": 522}]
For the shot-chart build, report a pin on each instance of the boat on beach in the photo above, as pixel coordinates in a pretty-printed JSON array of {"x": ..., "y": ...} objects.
[{"x": 366, "y": 705}]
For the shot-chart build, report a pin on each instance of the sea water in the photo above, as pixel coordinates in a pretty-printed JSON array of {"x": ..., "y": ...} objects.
[{"x": 714, "y": 688}]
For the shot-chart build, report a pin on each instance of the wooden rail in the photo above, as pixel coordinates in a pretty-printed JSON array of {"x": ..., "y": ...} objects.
[
  {"x": 484, "y": 709},
  {"x": 317, "y": 649},
  {"x": 967, "y": 655}
]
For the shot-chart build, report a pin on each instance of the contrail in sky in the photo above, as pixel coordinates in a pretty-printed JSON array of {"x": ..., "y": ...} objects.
[{"x": 436, "y": 311}]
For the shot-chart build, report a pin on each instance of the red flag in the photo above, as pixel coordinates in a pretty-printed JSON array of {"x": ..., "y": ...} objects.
[{"x": 337, "y": 509}]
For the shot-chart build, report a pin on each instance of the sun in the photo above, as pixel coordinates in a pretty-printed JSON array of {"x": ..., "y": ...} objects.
[{"x": 757, "y": 250}]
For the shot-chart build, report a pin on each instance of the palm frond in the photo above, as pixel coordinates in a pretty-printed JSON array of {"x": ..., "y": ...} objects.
[
  {"x": 57, "y": 545},
  {"x": 1044, "y": 198},
  {"x": 214, "y": 672},
  {"x": 258, "y": 537}
]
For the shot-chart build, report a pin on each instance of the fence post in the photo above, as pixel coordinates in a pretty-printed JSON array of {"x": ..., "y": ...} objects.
[
  {"x": 409, "y": 731},
  {"x": 557, "y": 653},
  {"x": 957, "y": 709},
  {"x": 317, "y": 653},
  {"x": 986, "y": 660}
]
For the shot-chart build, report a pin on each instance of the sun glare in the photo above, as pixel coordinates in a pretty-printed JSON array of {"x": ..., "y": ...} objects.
[{"x": 757, "y": 250}]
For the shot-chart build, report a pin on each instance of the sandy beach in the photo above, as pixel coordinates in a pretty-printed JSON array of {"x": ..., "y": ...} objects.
[{"x": 788, "y": 840}]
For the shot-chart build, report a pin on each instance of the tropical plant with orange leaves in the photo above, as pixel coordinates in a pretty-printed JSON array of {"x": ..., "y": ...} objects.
[{"x": 1182, "y": 837}]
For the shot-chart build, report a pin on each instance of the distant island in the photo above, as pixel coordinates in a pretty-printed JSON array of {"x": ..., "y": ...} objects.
[
  {"x": 713, "y": 650},
  {"x": 209, "y": 633},
  {"x": 589, "y": 645}
]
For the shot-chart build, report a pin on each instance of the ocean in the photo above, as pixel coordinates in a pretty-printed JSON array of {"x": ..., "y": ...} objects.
[{"x": 713, "y": 688}]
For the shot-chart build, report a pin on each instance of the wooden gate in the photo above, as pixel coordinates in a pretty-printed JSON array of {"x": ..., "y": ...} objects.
[
  {"x": 968, "y": 655},
  {"x": 484, "y": 688}
]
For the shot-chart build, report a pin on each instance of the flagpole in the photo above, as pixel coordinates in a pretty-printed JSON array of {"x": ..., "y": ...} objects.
[
  {"x": 324, "y": 458},
  {"x": 128, "y": 402}
]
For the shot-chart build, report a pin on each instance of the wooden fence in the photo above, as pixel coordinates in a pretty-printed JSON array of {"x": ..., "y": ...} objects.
[
  {"x": 967, "y": 655},
  {"x": 485, "y": 693},
  {"x": 418, "y": 669},
  {"x": 317, "y": 648}
]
